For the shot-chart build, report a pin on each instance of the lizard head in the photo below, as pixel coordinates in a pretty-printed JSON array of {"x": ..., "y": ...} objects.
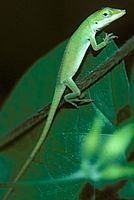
[{"x": 105, "y": 16}]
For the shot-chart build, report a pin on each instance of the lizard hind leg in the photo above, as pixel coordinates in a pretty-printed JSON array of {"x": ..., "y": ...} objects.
[{"x": 73, "y": 98}]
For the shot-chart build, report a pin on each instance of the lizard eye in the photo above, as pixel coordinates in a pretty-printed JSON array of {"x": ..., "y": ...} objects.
[{"x": 106, "y": 14}]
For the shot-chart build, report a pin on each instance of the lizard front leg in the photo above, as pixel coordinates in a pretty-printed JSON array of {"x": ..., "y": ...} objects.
[{"x": 105, "y": 41}]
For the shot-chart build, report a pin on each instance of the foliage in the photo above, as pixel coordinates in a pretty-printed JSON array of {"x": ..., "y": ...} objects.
[{"x": 61, "y": 155}]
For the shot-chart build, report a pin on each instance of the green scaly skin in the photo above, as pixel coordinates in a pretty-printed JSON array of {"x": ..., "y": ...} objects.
[{"x": 74, "y": 53}]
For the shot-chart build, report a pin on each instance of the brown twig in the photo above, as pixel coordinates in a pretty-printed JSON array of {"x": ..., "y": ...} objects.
[{"x": 87, "y": 82}]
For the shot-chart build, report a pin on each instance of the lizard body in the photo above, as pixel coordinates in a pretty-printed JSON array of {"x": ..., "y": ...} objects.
[{"x": 74, "y": 53}]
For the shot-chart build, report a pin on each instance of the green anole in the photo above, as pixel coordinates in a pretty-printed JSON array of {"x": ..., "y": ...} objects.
[{"x": 74, "y": 53}]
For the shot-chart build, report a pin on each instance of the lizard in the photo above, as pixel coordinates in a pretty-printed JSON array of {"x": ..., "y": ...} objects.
[{"x": 77, "y": 46}]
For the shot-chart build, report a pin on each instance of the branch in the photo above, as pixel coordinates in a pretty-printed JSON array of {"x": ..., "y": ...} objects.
[{"x": 87, "y": 82}]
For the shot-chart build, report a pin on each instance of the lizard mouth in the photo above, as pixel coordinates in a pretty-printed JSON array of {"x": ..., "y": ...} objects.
[
  {"x": 120, "y": 14},
  {"x": 123, "y": 12}
]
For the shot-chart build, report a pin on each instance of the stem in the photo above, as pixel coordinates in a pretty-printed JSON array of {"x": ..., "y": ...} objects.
[{"x": 87, "y": 82}]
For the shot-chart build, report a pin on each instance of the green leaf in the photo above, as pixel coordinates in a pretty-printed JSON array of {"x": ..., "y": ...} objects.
[
  {"x": 60, "y": 156},
  {"x": 116, "y": 172},
  {"x": 128, "y": 191},
  {"x": 132, "y": 90},
  {"x": 115, "y": 146}
]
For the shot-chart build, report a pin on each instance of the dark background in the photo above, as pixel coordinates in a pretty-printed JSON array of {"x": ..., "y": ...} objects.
[{"x": 30, "y": 28}]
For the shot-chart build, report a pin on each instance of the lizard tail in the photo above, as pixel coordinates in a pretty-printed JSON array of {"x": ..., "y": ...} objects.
[{"x": 59, "y": 90}]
